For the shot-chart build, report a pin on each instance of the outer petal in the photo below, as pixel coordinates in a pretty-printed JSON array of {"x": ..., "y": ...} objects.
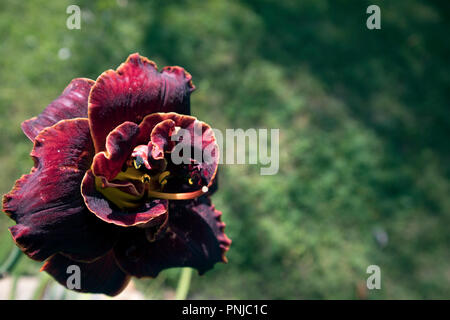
[
  {"x": 72, "y": 103},
  {"x": 47, "y": 204},
  {"x": 133, "y": 91},
  {"x": 195, "y": 237},
  {"x": 150, "y": 213},
  {"x": 101, "y": 276}
]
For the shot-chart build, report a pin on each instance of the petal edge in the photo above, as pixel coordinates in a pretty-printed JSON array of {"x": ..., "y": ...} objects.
[{"x": 72, "y": 103}]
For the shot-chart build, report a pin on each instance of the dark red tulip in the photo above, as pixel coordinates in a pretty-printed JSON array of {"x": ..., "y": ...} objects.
[{"x": 104, "y": 193}]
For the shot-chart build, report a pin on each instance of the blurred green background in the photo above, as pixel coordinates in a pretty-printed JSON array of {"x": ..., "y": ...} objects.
[{"x": 364, "y": 129}]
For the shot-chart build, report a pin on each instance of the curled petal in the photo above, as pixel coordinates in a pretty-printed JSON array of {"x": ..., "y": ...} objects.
[
  {"x": 160, "y": 138},
  {"x": 72, "y": 103},
  {"x": 100, "y": 276},
  {"x": 47, "y": 204},
  {"x": 134, "y": 90},
  {"x": 147, "y": 213},
  {"x": 119, "y": 146},
  {"x": 122, "y": 140},
  {"x": 149, "y": 123},
  {"x": 194, "y": 238},
  {"x": 161, "y": 126},
  {"x": 141, "y": 152}
]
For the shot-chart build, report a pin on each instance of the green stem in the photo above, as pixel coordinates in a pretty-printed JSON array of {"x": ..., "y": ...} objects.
[
  {"x": 42, "y": 287},
  {"x": 13, "y": 291},
  {"x": 183, "y": 284},
  {"x": 11, "y": 261}
]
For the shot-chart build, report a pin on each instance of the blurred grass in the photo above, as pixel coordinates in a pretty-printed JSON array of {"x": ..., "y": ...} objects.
[{"x": 363, "y": 118}]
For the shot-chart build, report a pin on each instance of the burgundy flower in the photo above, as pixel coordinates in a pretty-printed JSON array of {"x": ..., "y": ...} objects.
[{"x": 104, "y": 193}]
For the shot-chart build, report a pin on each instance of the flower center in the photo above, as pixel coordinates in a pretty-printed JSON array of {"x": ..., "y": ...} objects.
[{"x": 142, "y": 179}]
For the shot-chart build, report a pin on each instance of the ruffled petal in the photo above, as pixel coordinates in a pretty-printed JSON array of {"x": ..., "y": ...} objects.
[
  {"x": 135, "y": 90},
  {"x": 149, "y": 213},
  {"x": 72, "y": 103},
  {"x": 160, "y": 127},
  {"x": 194, "y": 238},
  {"x": 160, "y": 138},
  {"x": 119, "y": 146},
  {"x": 121, "y": 141},
  {"x": 101, "y": 276},
  {"x": 47, "y": 203},
  {"x": 149, "y": 123}
]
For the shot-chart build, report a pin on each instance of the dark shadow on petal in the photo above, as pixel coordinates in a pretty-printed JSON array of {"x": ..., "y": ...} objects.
[
  {"x": 100, "y": 276},
  {"x": 194, "y": 238},
  {"x": 47, "y": 203},
  {"x": 72, "y": 103}
]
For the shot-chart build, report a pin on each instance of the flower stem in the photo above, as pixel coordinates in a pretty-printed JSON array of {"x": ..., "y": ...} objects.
[
  {"x": 13, "y": 291},
  {"x": 43, "y": 284},
  {"x": 11, "y": 261},
  {"x": 183, "y": 284}
]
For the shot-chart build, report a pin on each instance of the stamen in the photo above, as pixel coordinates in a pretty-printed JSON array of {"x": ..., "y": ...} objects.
[
  {"x": 178, "y": 196},
  {"x": 163, "y": 177},
  {"x": 154, "y": 185},
  {"x": 138, "y": 162},
  {"x": 145, "y": 178}
]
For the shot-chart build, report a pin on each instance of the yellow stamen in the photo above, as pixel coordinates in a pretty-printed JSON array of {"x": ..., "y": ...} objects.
[
  {"x": 163, "y": 177},
  {"x": 145, "y": 178},
  {"x": 136, "y": 165}
]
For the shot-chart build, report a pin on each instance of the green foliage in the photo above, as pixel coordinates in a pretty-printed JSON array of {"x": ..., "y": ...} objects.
[{"x": 363, "y": 124}]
